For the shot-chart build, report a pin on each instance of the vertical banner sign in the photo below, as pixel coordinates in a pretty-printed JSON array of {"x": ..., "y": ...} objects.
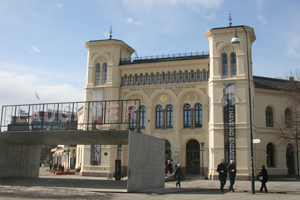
[
  {"x": 95, "y": 154},
  {"x": 229, "y": 122}
]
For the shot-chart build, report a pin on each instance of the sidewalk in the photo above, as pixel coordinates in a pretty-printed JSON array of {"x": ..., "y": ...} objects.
[{"x": 50, "y": 186}]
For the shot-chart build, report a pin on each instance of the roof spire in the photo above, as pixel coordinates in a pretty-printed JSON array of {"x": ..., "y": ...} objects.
[
  {"x": 230, "y": 19},
  {"x": 110, "y": 33}
]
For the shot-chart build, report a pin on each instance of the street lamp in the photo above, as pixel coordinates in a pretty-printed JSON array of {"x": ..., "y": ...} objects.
[
  {"x": 202, "y": 169},
  {"x": 236, "y": 40}
]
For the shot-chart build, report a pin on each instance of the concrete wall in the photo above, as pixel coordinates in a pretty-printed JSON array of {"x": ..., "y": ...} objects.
[
  {"x": 19, "y": 160},
  {"x": 145, "y": 162}
]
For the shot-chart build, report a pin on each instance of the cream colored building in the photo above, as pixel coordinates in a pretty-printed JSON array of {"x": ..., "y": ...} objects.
[{"x": 183, "y": 99}]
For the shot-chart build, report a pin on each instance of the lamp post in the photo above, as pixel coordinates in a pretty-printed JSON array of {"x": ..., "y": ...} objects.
[
  {"x": 236, "y": 40},
  {"x": 202, "y": 169}
]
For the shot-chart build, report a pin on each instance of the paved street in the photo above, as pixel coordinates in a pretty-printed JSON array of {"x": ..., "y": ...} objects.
[{"x": 50, "y": 186}]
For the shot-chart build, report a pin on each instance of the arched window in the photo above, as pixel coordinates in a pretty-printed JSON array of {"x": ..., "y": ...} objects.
[
  {"x": 269, "y": 117},
  {"x": 224, "y": 65},
  {"x": 187, "y": 116},
  {"x": 204, "y": 75},
  {"x": 163, "y": 77},
  {"x": 170, "y": 116},
  {"x": 152, "y": 78},
  {"x": 186, "y": 76},
  {"x": 270, "y": 155},
  {"x": 98, "y": 73},
  {"x": 175, "y": 77},
  {"x": 143, "y": 117},
  {"x": 159, "y": 117},
  {"x": 147, "y": 78},
  {"x": 288, "y": 118},
  {"x": 104, "y": 73},
  {"x": 142, "y": 79},
  {"x": 169, "y": 77},
  {"x": 180, "y": 77},
  {"x": 132, "y": 117},
  {"x": 131, "y": 80},
  {"x": 198, "y": 75},
  {"x": 158, "y": 78},
  {"x": 198, "y": 115},
  {"x": 136, "y": 79},
  {"x": 233, "y": 64},
  {"x": 126, "y": 80},
  {"x": 192, "y": 76}
]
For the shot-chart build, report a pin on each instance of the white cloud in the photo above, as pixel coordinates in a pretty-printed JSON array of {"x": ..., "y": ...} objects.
[
  {"x": 20, "y": 89},
  {"x": 33, "y": 49},
  {"x": 131, "y": 21},
  {"x": 261, "y": 19},
  {"x": 59, "y": 5},
  {"x": 293, "y": 48}
]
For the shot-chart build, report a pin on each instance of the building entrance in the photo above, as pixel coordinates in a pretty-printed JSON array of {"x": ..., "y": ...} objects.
[
  {"x": 193, "y": 157},
  {"x": 167, "y": 150}
]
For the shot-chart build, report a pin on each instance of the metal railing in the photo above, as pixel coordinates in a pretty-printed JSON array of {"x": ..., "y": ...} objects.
[
  {"x": 85, "y": 115},
  {"x": 162, "y": 57}
]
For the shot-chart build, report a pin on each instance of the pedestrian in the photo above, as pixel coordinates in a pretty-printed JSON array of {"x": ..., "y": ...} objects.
[
  {"x": 222, "y": 169},
  {"x": 166, "y": 168},
  {"x": 170, "y": 166},
  {"x": 232, "y": 173},
  {"x": 263, "y": 178},
  {"x": 178, "y": 175}
]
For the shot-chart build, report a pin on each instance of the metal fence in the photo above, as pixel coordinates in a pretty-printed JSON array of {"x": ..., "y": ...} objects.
[
  {"x": 163, "y": 57},
  {"x": 87, "y": 115}
]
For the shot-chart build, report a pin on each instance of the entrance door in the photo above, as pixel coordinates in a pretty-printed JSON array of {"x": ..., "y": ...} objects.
[
  {"x": 167, "y": 150},
  {"x": 290, "y": 159},
  {"x": 193, "y": 157}
]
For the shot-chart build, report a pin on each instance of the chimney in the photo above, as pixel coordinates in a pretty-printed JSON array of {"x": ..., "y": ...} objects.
[{"x": 289, "y": 78}]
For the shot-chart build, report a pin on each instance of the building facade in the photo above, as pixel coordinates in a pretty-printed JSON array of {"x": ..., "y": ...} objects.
[{"x": 197, "y": 102}]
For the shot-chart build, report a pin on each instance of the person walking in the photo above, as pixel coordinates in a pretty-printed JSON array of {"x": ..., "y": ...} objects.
[
  {"x": 263, "y": 178},
  {"x": 166, "y": 168},
  {"x": 232, "y": 173},
  {"x": 222, "y": 169},
  {"x": 178, "y": 175}
]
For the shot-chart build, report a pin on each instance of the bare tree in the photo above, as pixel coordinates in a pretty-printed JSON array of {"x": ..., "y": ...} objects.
[{"x": 289, "y": 124}]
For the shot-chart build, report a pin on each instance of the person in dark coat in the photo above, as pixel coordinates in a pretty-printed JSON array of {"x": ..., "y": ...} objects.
[
  {"x": 232, "y": 173},
  {"x": 263, "y": 178},
  {"x": 222, "y": 169},
  {"x": 178, "y": 175}
]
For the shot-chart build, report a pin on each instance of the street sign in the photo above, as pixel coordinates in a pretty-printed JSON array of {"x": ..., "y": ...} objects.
[{"x": 256, "y": 141}]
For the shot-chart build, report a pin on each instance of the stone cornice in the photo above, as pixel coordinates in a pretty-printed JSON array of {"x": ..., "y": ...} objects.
[
  {"x": 104, "y": 44},
  {"x": 230, "y": 32}
]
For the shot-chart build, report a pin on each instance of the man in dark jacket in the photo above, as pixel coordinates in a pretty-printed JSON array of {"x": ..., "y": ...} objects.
[
  {"x": 232, "y": 173},
  {"x": 178, "y": 175},
  {"x": 222, "y": 169},
  {"x": 263, "y": 178}
]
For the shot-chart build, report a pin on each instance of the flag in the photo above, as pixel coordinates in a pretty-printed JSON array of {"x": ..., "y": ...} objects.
[{"x": 37, "y": 96}]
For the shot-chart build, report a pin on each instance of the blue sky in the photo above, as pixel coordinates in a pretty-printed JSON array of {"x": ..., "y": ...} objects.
[{"x": 42, "y": 41}]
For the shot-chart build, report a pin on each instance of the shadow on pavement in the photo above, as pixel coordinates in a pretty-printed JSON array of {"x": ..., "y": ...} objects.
[{"x": 73, "y": 183}]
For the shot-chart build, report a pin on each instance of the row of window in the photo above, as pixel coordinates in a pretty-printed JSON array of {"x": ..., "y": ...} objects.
[
  {"x": 287, "y": 114},
  {"x": 232, "y": 64},
  {"x": 101, "y": 73},
  {"x": 162, "y": 78},
  {"x": 192, "y": 117}
]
